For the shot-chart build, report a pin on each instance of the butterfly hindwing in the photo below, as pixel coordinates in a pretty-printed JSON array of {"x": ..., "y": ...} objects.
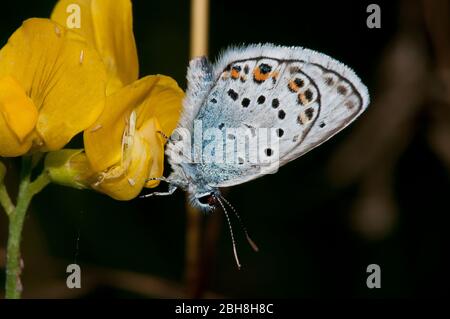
[{"x": 342, "y": 99}]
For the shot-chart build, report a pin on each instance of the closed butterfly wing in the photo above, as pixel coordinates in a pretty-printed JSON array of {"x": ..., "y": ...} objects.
[{"x": 304, "y": 97}]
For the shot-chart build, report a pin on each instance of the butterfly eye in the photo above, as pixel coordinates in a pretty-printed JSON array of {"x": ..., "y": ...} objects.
[{"x": 208, "y": 199}]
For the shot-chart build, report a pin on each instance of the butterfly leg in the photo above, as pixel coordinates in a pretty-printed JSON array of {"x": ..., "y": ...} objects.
[
  {"x": 163, "y": 135},
  {"x": 171, "y": 190},
  {"x": 162, "y": 179}
]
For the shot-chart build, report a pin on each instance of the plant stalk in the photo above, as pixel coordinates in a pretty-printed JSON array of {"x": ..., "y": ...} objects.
[{"x": 14, "y": 264}]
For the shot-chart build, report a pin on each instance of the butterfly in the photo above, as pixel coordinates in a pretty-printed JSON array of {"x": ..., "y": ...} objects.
[{"x": 303, "y": 97}]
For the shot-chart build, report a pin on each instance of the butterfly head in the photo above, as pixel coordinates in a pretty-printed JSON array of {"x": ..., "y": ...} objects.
[
  {"x": 207, "y": 200},
  {"x": 201, "y": 194}
]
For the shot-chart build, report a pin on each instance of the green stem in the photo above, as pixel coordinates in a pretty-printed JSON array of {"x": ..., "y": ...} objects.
[
  {"x": 27, "y": 190},
  {"x": 5, "y": 200}
]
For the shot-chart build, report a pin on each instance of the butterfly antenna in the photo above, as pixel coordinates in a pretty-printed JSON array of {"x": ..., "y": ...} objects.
[
  {"x": 231, "y": 233},
  {"x": 250, "y": 241}
]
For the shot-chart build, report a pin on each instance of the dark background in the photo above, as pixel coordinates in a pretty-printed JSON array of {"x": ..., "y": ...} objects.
[{"x": 317, "y": 222}]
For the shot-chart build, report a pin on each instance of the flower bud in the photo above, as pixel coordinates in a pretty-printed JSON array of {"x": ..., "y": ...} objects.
[{"x": 69, "y": 167}]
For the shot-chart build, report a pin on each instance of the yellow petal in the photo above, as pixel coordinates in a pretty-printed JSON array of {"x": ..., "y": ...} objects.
[
  {"x": 125, "y": 183},
  {"x": 164, "y": 103},
  {"x": 64, "y": 77},
  {"x": 150, "y": 131},
  {"x": 19, "y": 111},
  {"x": 10, "y": 146},
  {"x": 109, "y": 26},
  {"x": 104, "y": 141}
]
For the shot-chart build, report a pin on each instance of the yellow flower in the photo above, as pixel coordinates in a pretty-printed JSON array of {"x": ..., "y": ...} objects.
[
  {"x": 125, "y": 146},
  {"x": 49, "y": 77}
]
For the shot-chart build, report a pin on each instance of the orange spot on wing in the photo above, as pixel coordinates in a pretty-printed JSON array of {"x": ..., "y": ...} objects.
[
  {"x": 293, "y": 86},
  {"x": 259, "y": 76},
  {"x": 235, "y": 73},
  {"x": 303, "y": 99}
]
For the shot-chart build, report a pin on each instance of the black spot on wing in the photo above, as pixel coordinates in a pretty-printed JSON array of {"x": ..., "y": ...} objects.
[
  {"x": 349, "y": 104},
  {"x": 308, "y": 95},
  {"x": 329, "y": 81},
  {"x": 294, "y": 69},
  {"x": 299, "y": 82},
  {"x": 275, "y": 103},
  {"x": 265, "y": 68},
  {"x": 342, "y": 90},
  {"x": 233, "y": 94},
  {"x": 261, "y": 99},
  {"x": 279, "y": 132},
  {"x": 245, "y": 102},
  {"x": 309, "y": 112}
]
